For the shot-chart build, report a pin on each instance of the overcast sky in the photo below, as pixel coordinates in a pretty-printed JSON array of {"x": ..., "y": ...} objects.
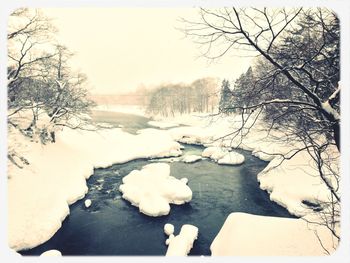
[{"x": 120, "y": 49}]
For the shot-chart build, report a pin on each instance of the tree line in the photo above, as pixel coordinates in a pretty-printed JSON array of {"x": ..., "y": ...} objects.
[{"x": 171, "y": 99}]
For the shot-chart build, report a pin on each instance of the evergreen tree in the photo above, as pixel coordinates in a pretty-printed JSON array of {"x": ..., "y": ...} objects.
[{"x": 225, "y": 97}]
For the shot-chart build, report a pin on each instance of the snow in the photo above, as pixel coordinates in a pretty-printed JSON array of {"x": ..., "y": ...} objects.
[
  {"x": 40, "y": 194},
  {"x": 252, "y": 235},
  {"x": 223, "y": 155},
  {"x": 232, "y": 158},
  {"x": 191, "y": 158},
  {"x": 87, "y": 203},
  {"x": 162, "y": 125},
  {"x": 184, "y": 180},
  {"x": 51, "y": 253},
  {"x": 168, "y": 229},
  {"x": 152, "y": 189},
  {"x": 182, "y": 244}
]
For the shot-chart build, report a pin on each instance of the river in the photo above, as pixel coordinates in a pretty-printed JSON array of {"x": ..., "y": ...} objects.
[{"x": 111, "y": 226}]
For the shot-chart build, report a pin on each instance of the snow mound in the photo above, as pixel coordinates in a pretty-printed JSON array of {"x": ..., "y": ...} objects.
[
  {"x": 232, "y": 158},
  {"x": 51, "y": 253},
  {"x": 191, "y": 158},
  {"x": 152, "y": 189},
  {"x": 87, "y": 203},
  {"x": 181, "y": 244},
  {"x": 162, "y": 124},
  {"x": 251, "y": 235},
  {"x": 222, "y": 155},
  {"x": 214, "y": 152},
  {"x": 168, "y": 229}
]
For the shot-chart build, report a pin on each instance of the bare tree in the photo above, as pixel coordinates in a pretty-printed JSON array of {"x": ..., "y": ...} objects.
[{"x": 294, "y": 84}]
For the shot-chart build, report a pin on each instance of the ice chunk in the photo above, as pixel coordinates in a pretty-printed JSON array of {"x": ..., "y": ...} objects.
[
  {"x": 181, "y": 244},
  {"x": 168, "y": 229},
  {"x": 152, "y": 189}
]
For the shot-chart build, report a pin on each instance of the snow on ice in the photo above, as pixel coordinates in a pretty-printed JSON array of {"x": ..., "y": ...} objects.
[{"x": 152, "y": 189}]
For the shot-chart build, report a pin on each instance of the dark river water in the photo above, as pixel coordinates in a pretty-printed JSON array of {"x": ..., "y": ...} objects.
[{"x": 111, "y": 226}]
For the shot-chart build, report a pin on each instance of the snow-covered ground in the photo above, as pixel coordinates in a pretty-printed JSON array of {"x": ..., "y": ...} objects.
[
  {"x": 162, "y": 125},
  {"x": 152, "y": 189},
  {"x": 39, "y": 194}
]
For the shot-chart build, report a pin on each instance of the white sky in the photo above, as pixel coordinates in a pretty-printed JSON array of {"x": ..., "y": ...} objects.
[{"x": 119, "y": 49}]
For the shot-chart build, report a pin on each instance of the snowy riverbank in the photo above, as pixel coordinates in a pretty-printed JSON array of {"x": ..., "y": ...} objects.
[
  {"x": 39, "y": 195},
  {"x": 291, "y": 183}
]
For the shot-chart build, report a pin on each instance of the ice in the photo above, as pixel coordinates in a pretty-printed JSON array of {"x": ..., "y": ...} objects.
[
  {"x": 191, "y": 158},
  {"x": 182, "y": 244},
  {"x": 252, "y": 235},
  {"x": 168, "y": 229},
  {"x": 152, "y": 189},
  {"x": 51, "y": 253},
  {"x": 87, "y": 203}
]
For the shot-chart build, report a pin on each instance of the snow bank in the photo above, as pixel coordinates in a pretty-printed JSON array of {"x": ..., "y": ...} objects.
[
  {"x": 191, "y": 158},
  {"x": 251, "y": 235},
  {"x": 51, "y": 253},
  {"x": 152, "y": 189},
  {"x": 39, "y": 195},
  {"x": 181, "y": 244},
  {"x": 162, "y": 124}
]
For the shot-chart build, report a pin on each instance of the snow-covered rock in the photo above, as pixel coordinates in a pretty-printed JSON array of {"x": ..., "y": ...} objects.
[
  {"x": 232, "y": 158},
  {"x": 152, "y": 189},
  {"x": 168, "y": 229},
  {"x": 214, "y": 152},
  {"x": 252, "y": 235},
  {"x": 51, "y": 253},
  {"x": 87, "y": 203},
  {"x": 181, "y": 244},
  {"x": 191, "y": 158}
]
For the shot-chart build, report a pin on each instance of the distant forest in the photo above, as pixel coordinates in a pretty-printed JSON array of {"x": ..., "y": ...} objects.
[{"x": 169, "y": 99}]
